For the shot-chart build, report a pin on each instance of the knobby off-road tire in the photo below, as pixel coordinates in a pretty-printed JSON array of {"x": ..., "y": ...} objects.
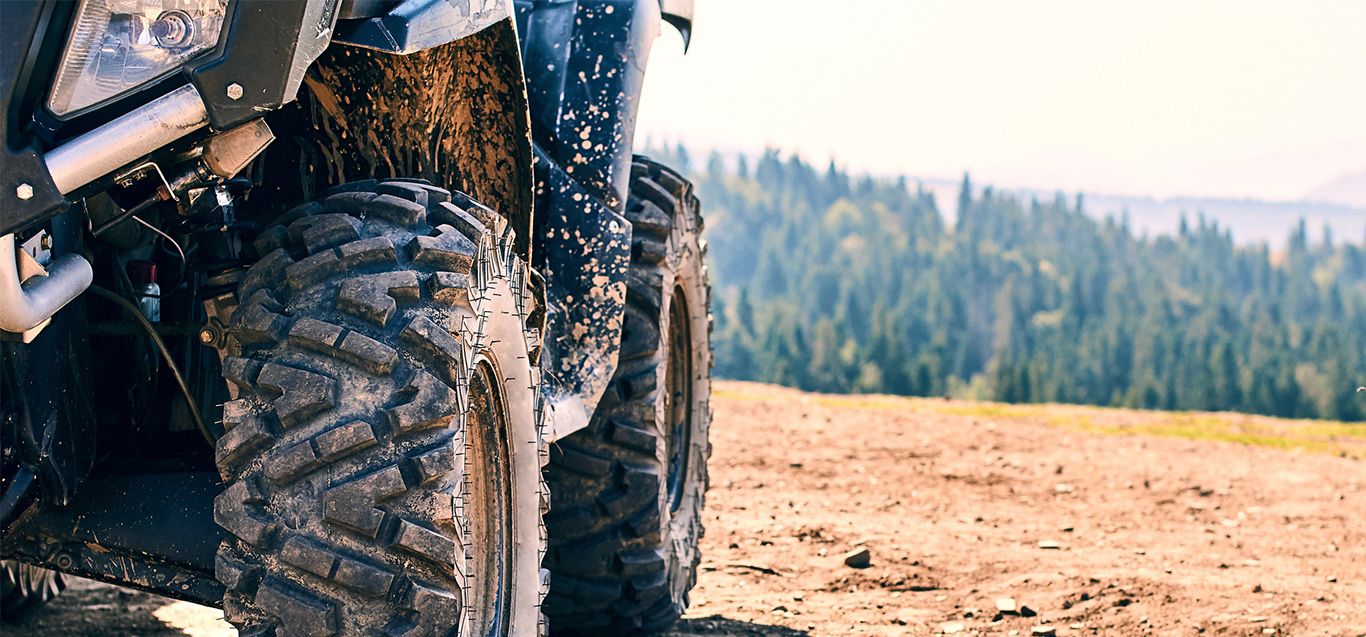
[
  {"x": 383, "y": 453},
  {"x": 24, "y": 588},
  {"x": 626, "y": 492}
]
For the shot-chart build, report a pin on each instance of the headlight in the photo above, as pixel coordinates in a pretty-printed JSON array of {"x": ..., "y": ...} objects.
[{"x": 118, "y": 45}]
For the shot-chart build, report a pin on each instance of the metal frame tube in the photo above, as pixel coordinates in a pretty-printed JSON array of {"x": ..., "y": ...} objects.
[
  {"x": 26, "y": 304},
  {"x": 126, "y": 139}
]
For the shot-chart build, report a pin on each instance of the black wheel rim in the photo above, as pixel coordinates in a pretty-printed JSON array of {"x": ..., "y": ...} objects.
[
  {"x": 678, "y": 403},
  {"x": 488, "y": 492}
]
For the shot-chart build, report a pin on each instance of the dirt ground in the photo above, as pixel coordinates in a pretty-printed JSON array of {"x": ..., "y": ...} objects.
[{"x": 960, "y": 507}]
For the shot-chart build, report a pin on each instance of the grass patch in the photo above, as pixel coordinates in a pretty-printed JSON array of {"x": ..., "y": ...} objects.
[{"x": 1318, "y": 436}]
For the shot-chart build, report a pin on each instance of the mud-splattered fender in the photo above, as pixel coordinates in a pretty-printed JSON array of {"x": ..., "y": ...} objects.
[
  {"x": 455, "y": 115},
  {"x": 588, "y": 246},
  {"x": 585, "y": 64}
]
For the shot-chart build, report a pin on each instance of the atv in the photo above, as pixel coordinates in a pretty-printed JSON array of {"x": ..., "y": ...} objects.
[{"x": 349, "y": 317}]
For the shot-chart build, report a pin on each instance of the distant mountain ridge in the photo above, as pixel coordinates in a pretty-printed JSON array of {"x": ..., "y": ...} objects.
[
  {"x": 1348, "y": 190},
  {"x": 1250, "y": 221},
  {"x": 1339, "y": 204}
]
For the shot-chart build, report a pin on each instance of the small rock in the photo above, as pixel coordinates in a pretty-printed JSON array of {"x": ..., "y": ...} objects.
[
  {"x": 1078, "y": 626},
  {"x": 1049, "y": 544},
  {"x": 1268, "y": 631},
  {"x": 798, "y": 596},
  {"x": 780, "y": 609},
  {"x": 1006, "y": 605},
  {"x": 1026, "y": 611},
  {"x": 951, "y": 628},
  {"x": 1256, "y": 620},
  {"x": 1063, "y": 487},
  {"x": 1332, "y": 579},
  {"x": 1045, "y": 631},
  {"x": 858, "y": 558},
  {"x": 1257, "y": 588}
]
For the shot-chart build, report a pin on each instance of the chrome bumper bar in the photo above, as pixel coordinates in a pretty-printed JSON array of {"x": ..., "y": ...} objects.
[
  {"x": 26, "y": 304},
  {"x": 126, "y": 139}
]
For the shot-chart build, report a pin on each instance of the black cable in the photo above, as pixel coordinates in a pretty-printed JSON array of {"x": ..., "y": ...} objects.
[
  {"x": 96, "y": 231},
  {"x": 156, "y": 362},
  {"x": 182, "y": 259},
  {"x": 165, "y": 355}
]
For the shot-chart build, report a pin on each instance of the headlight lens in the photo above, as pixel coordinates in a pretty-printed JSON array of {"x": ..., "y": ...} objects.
[{"x": 118, "y": 45}]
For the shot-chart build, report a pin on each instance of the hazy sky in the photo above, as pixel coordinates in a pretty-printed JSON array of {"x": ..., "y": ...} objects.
[{"x": 1257, "y": 98}]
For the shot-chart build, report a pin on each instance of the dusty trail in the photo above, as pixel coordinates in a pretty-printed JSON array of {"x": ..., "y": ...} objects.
[{"x": 957, "y": 504}]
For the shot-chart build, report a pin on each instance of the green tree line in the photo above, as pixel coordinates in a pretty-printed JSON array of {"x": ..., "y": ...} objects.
[{"x": 837, "y": 283}]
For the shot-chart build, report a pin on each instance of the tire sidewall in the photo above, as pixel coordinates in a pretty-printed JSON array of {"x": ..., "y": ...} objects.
[
  {"x": 685, "y": 270},
  {"x": 504, "y": 347}
]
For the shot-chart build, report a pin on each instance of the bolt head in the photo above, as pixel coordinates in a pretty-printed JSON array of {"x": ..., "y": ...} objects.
[
  {"x": 207, "y": 337},
  {"x": 24, "y": 192},
  {"x": 234, "y": 91}
]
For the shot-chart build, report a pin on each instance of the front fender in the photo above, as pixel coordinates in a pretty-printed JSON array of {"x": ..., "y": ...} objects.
[
  {"x": 419, "y": 25},
  {"x": 679, "y": 13}
]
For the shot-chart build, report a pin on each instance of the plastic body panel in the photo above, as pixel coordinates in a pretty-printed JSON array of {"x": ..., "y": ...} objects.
[
  {"x": 419, "y": 25},
  {"x": 23, "y": 23},
  {"x": 585, "y": 65}
]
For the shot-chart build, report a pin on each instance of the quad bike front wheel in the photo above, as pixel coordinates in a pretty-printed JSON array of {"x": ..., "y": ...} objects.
[
  {"x": 383, "y": 453},
  {"x": 626, "y": 492},
  {"x": 25, "y": 588}
]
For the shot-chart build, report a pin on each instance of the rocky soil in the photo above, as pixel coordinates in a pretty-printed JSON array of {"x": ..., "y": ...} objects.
[{"x": 837, "y": 515}]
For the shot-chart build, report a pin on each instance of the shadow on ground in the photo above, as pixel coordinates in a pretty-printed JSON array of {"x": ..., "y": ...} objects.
[
  {"x": 90, "y": 609},
  {"x": 716, "y": 625}
]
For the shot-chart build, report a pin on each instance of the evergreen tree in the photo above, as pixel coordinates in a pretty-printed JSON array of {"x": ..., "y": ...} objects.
[{"x": 836, "y": 283}]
